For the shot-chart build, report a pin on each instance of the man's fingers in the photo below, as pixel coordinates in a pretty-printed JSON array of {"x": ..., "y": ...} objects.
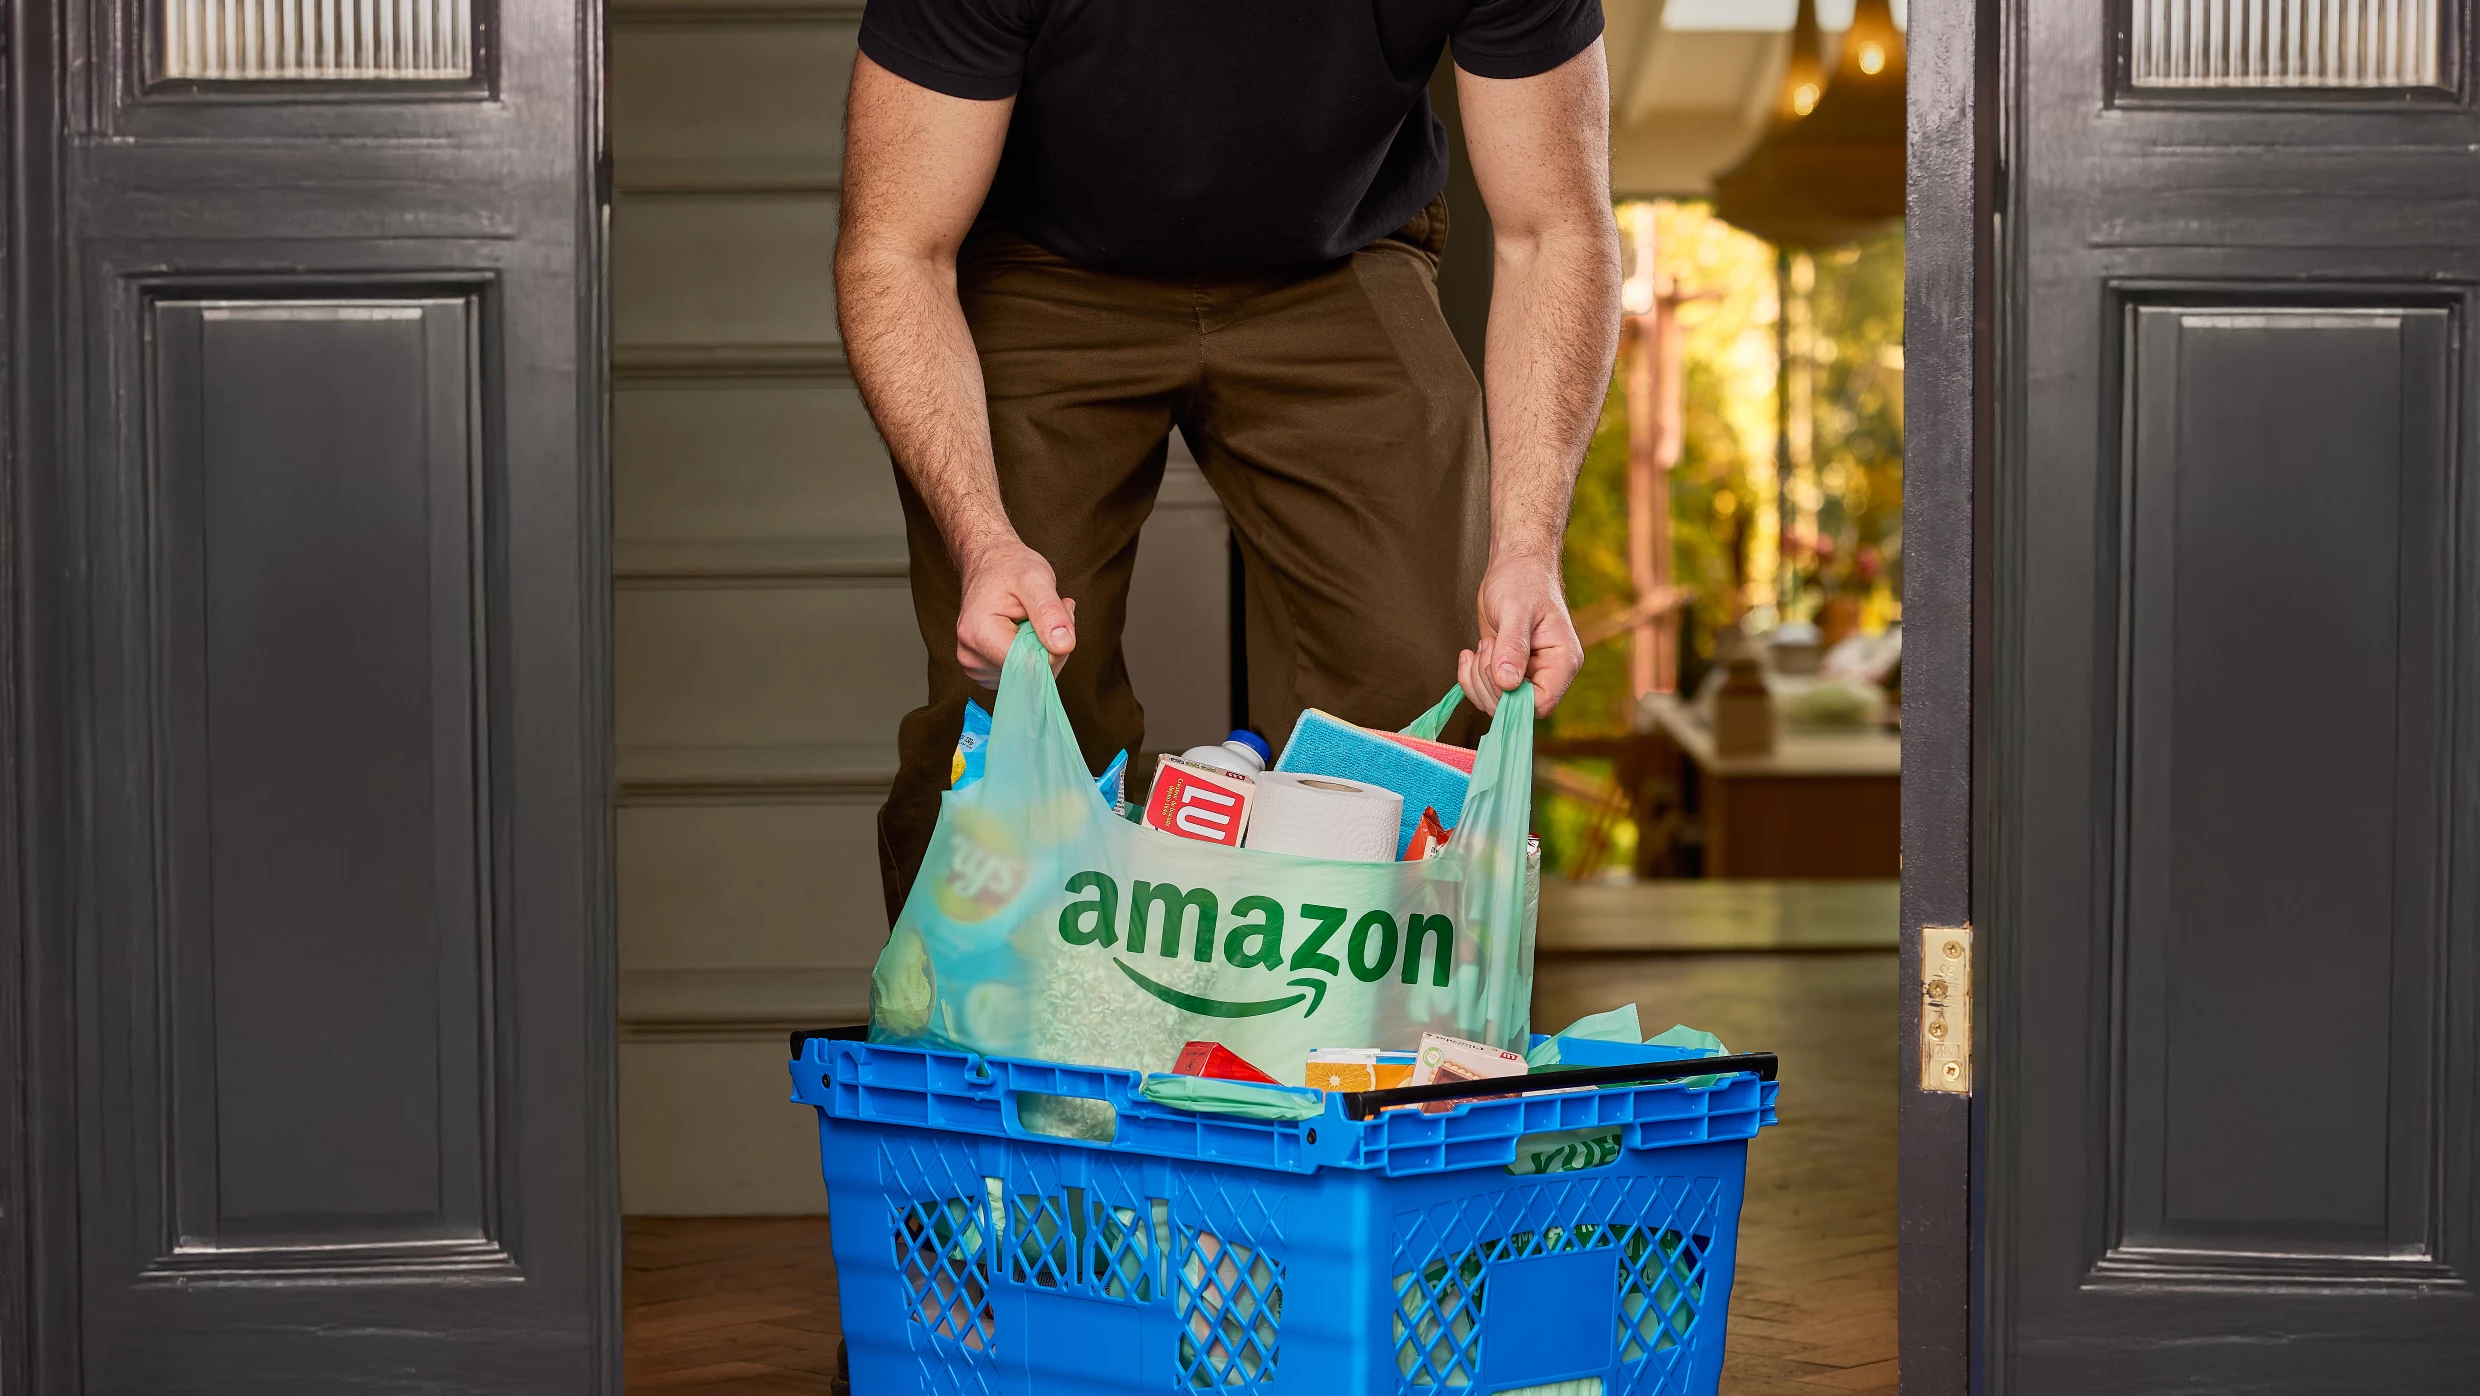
[
  {"x": 981, "y": 647},
  {"x": 1555, "y": 666},
  {"x": 1469, "y": 671}
]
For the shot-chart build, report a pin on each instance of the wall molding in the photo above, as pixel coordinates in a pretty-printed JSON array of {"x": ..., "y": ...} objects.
[
  {"x": 661, "y": 561},
  {"x": 676, "y": 774},
  {"x": 632, "y": 363},
  {"x": 644, "y": 178},
  {"x": 675, "y": 1005}
]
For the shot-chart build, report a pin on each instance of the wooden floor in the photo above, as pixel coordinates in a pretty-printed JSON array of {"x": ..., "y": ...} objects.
[
  {"x": 737, "y": 1305},
  {"x": 747, "y": 1307},
  {"x": 1813, "y": 1308}
]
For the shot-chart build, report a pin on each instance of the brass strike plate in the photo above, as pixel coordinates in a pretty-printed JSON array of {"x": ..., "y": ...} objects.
[{"x": 1946, "y": 1009}]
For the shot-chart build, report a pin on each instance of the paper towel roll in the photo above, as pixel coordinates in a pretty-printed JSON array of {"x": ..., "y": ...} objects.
[{"x": 1325, "y": 818}]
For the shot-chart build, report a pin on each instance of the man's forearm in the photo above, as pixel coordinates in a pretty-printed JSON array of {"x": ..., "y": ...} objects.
[
  {"x": 913, "y": 357},
  {"x": 1553, "y": 332}
]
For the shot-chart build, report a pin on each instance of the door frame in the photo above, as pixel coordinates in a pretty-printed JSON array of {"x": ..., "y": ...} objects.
[
  {"x": 38, "y": 1125},
  {"x": 1951, "y": 290},
  {"x": 40, "y": 1334}
]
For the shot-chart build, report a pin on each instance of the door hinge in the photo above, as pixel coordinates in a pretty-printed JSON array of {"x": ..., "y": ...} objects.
[{"x": 1946, "y": 1009}]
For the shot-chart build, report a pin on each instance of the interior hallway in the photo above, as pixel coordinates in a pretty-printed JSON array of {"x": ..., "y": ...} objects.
[{"x": 747, "y": 1306}]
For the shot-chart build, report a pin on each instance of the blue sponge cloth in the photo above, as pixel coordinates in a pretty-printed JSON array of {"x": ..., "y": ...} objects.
[{"x": 1323, "y": 744}]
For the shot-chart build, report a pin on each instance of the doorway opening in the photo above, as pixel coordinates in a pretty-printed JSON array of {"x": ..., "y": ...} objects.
[
  {"x": 1738, "y": 527},
  {"x": 765, "y": 649}
]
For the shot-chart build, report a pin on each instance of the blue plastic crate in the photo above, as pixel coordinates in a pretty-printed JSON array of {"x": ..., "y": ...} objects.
[{"x": 1326, "y": 1257}]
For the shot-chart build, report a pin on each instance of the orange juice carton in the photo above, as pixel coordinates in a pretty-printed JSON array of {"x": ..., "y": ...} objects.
[{"x": 1358, "y": 1069}]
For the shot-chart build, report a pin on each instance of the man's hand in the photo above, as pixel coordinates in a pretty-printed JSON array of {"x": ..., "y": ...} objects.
[
  {"x": 1525, "y": 634},
  {"x": 1005, "y": 583},
  {"x": 1541, "y": 153}
]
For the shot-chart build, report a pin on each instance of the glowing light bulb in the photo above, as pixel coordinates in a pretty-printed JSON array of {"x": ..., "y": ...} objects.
[
  {"x": 1872, "y": 58},
  {"x": 1804, "y": 97}
]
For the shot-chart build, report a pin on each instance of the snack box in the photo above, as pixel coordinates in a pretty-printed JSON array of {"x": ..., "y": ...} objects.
[
  {"x": 1217, "y": 1061},
  {"x": 1358, "y": 1069},
  {"x": 1200, "y": 802}
]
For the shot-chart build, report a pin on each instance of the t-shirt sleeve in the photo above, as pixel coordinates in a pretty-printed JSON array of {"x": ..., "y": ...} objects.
[
  {"x": 965, "y": 48},
  {"x": 1520, "y": 38}
]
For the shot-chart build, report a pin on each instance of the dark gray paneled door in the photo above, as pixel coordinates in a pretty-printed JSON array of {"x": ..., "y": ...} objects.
[
  {"x": 314, "y": 581},
  {"x": 2235, "y": 725}
]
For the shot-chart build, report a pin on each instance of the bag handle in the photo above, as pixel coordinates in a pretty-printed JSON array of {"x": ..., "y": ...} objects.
[
  {"x": 1033, "y": 751},
  {"x": 1429, "y": 724}
]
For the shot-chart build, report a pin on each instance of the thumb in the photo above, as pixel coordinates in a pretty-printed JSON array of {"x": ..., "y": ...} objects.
[
  {"x": 1053, "y": 623},
  {"x": 1513, "y": 649}
]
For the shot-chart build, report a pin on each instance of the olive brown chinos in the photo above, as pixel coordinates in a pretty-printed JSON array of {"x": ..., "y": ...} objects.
[{"x": 1331, "y": 410}]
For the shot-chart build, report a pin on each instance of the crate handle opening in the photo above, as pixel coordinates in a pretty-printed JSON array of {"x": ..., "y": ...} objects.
[{"x": 1085, "y": 1119}]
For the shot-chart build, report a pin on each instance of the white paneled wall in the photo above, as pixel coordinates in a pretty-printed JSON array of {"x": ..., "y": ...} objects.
[
  {"x": 725, "y": 270},
  {"x": 766, "y": 645},
  {"x": 765, "y": 641}
]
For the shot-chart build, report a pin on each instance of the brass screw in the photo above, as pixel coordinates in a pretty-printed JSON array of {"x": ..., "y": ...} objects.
[
  {"x": 1954, "y": 1071},
  {"x": 1937, "y": 991},
  {"x": 1953, "y": 949},
  {"x": 1937, "y": 1028}
]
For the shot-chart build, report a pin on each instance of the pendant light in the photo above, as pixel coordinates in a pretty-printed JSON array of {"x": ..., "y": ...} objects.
[
  {"x": 1829, "y": 171},
  {"x": 1846, "y": 159}
]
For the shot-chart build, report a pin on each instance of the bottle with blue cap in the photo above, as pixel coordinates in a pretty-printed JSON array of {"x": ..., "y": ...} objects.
[{"x": 1241, "y": 753}]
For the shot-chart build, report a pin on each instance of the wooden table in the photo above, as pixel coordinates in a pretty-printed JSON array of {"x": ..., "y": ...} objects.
[{"x": 1822, "y": 804}]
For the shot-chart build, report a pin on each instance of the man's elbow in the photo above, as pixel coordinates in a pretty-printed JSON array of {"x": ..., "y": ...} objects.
[
  {"x": 1581, "y": 243},
  {"x": 867, "y": 259}
]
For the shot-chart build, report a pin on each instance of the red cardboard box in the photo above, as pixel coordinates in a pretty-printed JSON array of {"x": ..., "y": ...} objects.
[
  {"x": 1218, "y": 1061},
  {"x": 1200, "y": 802}
]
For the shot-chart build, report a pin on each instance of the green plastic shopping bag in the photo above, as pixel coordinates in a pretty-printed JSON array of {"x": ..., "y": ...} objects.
[{"x": 1043, "y": 925}]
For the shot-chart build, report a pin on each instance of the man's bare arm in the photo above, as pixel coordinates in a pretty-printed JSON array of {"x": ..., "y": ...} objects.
[
  {"x": 917, "y": 164},
  {"x": 1540, "y": 150}
]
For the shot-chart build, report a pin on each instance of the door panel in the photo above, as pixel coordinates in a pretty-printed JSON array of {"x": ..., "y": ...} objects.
[
  {"x": 2231, "y": 1111},
  {"x": 2282, "y": 936},
  {"x": 319, "y": 481},
  {"x": 317, "y": 700}
]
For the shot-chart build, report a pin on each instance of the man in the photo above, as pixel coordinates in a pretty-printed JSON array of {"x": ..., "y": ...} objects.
[{"x": 1071, "y": 225}]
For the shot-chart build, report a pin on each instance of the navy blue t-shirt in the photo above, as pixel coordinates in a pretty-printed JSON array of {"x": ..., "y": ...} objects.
[{"x": 1183, "y": 136}]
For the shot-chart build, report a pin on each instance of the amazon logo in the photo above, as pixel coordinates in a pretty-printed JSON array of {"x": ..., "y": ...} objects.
[{"x": 1164, "y": 920}]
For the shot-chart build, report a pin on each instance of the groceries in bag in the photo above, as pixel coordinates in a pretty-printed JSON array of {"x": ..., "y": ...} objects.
[
  {"x": 1443, "y": 1058},
  {"x": 1324, "y": 818},
  {"x": 1323, "y": 744},
  {"x": 1241, "y": 753},
  {"x": 1206, "y": 803},
  {"x": 1043, "y": 927},
  {"x": 1358, "y": 1069},
  {"x": 1218, "y": 1061},
  {"x": 974, "y": 739},
  {"x": 1428, "y": 836}
]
